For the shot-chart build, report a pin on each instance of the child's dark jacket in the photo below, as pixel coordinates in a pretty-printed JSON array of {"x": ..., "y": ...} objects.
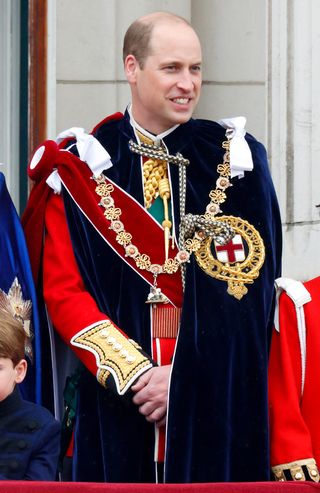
[{"x": 29, "y": 440}]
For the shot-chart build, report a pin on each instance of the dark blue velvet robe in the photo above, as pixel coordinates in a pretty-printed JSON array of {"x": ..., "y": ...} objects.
[
  {"x": 14, "y": 262},
  {"x": 217, "y": 416}
]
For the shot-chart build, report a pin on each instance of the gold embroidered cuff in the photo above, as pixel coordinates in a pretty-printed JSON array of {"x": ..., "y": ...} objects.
[
  {"x": 102, "y": 377},
  {"x": 300, "y": 470},
  {"x": 116, "y": 356}
]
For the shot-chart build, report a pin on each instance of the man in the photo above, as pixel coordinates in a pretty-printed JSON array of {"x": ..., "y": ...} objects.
[
  {"x": 294, "y": 375},
  {"x": 134, "y": 283}
]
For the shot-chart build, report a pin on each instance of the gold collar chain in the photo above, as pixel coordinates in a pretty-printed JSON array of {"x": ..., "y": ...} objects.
[
  {"x": 196, "y": 234},
  {"x": 236, "y": 273},
  {"x": 124, "y": 238}
]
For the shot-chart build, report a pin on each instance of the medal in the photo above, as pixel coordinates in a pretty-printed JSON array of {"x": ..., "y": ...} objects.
[
  {"x": 227, "y": 248},
  {"x": 156, "y": 295},
  {"x": 237, "y": 272}
]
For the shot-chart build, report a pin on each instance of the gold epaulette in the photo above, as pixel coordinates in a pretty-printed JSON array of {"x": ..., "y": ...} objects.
[
  {"x": 117, "y": 357},
  {"x": 299, "y": 470}
]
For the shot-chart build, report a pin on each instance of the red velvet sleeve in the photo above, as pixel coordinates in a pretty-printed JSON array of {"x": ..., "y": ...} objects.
[{"x": 290, "y": 438}]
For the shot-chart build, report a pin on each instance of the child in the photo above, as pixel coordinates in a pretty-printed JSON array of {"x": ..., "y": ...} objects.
[{"x": 29, "y": 435}]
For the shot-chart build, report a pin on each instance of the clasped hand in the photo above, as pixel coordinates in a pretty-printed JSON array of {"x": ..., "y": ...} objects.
[{"x": 151, "y": 394}]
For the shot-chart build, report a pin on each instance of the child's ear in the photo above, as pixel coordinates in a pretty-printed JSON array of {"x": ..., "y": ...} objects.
[{"x": 21, "y": 370}]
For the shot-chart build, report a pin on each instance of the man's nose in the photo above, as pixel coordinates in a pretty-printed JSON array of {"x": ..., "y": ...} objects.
[{"x": 185, "y": 81}]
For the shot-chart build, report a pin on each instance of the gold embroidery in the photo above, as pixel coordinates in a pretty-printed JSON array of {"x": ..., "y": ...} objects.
[
  {"x": 154, "y": 170},
  {"x": 115, "y": 353},
  {"x": 143, "y": 262},
  {"x": 217, "y": 196},
  {"x": 239, "y": 273},
  {"x": 192, "y": 245},
  {"x": 112, "y": 213},
  {"x": 125, "y": 239},
  {"x": 103, "y": 189},
  {"x": 203, "y": 229},
  {"x": 171, "y": 266},
  {"x": 296, "y": 470},
  {"x": 102, "y": 377},
  {"x": 156, "y": 183}
]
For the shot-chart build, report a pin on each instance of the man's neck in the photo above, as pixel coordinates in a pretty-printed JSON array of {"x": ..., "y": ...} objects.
[{"x": 155, "y": 138}]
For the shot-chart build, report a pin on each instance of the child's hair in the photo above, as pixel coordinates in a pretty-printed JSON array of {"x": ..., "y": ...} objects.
[{"x": 12, "y": 338}]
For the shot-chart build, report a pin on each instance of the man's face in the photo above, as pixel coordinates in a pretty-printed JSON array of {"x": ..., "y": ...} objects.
[
  {"x": 10, "y": 375},
  {"x": 166, "y": 90}
]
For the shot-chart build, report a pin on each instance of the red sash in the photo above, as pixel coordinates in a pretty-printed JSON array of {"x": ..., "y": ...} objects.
[{"x": 147, "y": 234}]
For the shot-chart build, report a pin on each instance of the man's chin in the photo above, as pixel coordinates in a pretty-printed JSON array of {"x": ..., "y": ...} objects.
[{"x": 182, "y": 117}]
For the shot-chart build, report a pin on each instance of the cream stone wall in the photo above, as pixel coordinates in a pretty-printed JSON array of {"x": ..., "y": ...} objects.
[
  {"x": 234, "y": 37},
  {"x": 90, "y": 79},
  {"x": 9, "y": 94},
  {"x": 294, "y": 128},
  {"x": 260, "y": 60}
]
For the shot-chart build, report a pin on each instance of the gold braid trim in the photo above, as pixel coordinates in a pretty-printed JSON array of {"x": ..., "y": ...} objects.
[
  {"x": 299, "y": 470},
  {"x": 102, "y": 377},
  {"x": 154, "y": 170},
  {"x": 115, "y": 354}
]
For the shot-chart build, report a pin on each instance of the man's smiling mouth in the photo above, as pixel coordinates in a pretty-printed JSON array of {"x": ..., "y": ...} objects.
[{"x": 181, "y": 100}]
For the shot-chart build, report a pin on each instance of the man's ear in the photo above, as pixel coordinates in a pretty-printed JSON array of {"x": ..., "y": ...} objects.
[
  {"x": 131, "y": 66},
  {"x": 21, "y": 370}
]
